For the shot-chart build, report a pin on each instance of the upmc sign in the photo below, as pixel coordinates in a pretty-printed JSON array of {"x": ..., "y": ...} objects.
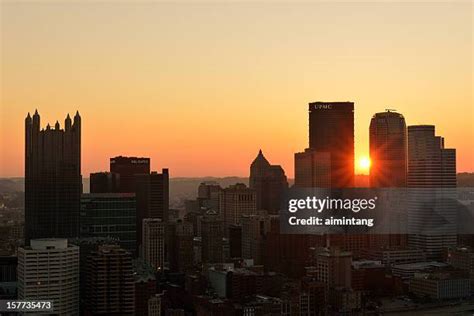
[{"x": 322, "y": 106}]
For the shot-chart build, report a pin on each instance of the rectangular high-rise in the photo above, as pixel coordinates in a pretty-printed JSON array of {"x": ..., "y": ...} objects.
[
  {"x": 53, "y": 182},
  {"x": 432, "y": 183},
  {"x": 235, "y": 201},
  {"x": 331, "y": 130},
  {"x": 110, "y": 215},
  {"x": 312, "y": 169},
  {"x": 127, "y": 168},
  {"x": 254, "y": 229},
  {"x": 110, "y": 283},
  {"x": 212, "y": 233},
  {"x": 48, "y": 270},
  {"x": 152, "y": 194},
  {"x": 154, "y": 242},
  {"x": 104, "y": 182}
]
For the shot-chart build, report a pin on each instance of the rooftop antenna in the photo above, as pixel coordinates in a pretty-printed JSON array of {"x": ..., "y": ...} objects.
[{"x": 391, "y": 110}]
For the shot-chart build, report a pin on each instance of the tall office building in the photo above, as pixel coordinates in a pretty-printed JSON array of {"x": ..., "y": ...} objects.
[
  {"x": 312, "y": 169},
  {"x": 53, "y": 182},
  {"x": 145, "y": 285},
  {"x": 104, "y": 182},
  {"x": 432, "y": 183},
  {"x": 110, "y": 288},
  {"x": 208, "y": 196},
  {"x": 48, "y": 270},
  {"x": 333, "y": 267},
  {"x": 180, "y": 247},
  {"x": 153, "y": 246},
  {"x": 331, "y": 130},
  {"x": 254, "y": 229},
  {"x": 152, "y": 194},
  {"x": 388, "y": 150},
  {"x": 127, "y": 168},
  {"x": 269, "y": 182},
  {"x": 110, "y": 215},
  {"x": 212, "y": 233},
  {"x": 235, "y": 241},
  {"x": 235, "y": 201}
]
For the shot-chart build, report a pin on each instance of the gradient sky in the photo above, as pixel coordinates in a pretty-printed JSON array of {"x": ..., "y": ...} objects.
[{"x": 200, "y": 88}]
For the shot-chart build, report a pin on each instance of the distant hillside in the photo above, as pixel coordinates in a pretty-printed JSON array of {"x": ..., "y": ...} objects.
[
  {"x": 466, "y": 179},
  {"x": 186, "y": 188},
  {"x": 10, "y": 185}
]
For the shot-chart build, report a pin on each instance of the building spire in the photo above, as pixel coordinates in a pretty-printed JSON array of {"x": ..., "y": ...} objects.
[
  {"x": 28, "y": 118},
  {"x": 56, "y": 126},
  {"x": 260, "y": 161},
  {"x": 67, "y": 123}
]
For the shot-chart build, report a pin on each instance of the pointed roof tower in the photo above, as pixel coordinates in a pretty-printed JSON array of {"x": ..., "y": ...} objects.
[
  {"x": 67, "y": 122},
  {"x": 259, "y": 165}
]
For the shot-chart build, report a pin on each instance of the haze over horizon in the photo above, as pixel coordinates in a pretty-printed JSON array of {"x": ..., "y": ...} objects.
[{"x": 200, "y": 88}]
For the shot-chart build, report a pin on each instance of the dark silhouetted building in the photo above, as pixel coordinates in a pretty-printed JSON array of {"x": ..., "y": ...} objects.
[
  {"x": 110, "y": 283},
  {"x": 333, "y": 267},
  {"x": 53, "y": 182},
  {"x": 269, "y": 182},
  {"x": 388, "y": 150},
  {"x": 153, "y": 247},
  {"x": 145, "y": 285},
  {"x": 331, "y": 130},
  {"x": 312, "y": 169},
  {"x": 254, "y": 229},
  {"x": 110, "y": 215},
  {"x": 127, "y": 168},
  {"x": 235, "y": 201},
  {"x": 8, "y": 265},
  {"x": 152, "y": 193},
  {"x": 212, "y": 233},
  {"x": 104, "y": 182},
  {"x": 235, "y": 241},
  {"x": 180, "y": 246}
]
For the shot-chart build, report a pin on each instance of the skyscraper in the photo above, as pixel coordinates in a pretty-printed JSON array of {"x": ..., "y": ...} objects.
[
  {"x": 110, "y": 288},
  {"x": 152, "y": 194},
  {"x": 212, "y": 232},
  {"x": 388, "y": 150},
  {"x": 104, "y": 182},
  {"x": 53, "y": 182},
  {"x": 180, "y": 247},
  {"x": 269, "y": 182},
  {"x": 331, "y": 130},
  {"x": 235, "y": 201},
  {"x": 127, "y": 168},
  {"x": 432, "y": 183},
  {"x": 254, "y": 229},
  {"x": 333, "y": 267},
  {"x": 154, "y": 242},
  {"x": 312, "y": 169},
  {"x": 48, "y": 270},
  {"x": 110, "y": 215}
]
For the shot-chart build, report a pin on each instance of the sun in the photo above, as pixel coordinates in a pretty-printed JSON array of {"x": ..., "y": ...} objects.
[{"x": 363, "y": 164}]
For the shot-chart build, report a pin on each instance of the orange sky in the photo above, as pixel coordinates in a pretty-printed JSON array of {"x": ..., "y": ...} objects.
[{"x": 200, "y": 88}]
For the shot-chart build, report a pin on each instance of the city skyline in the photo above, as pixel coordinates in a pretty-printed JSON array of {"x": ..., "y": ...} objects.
[
  {"x": 241, "y": 85},
  {"x": 362, "y": 163}
]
